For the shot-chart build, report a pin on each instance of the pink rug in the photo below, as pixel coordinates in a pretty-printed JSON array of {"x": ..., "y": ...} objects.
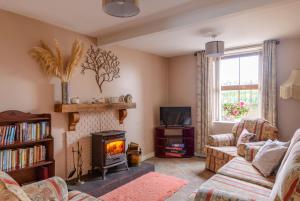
[{"x": 149, "y": 187}]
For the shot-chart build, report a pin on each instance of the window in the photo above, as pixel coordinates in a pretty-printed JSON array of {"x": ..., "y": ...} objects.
[{"x": 239, "y": 95}]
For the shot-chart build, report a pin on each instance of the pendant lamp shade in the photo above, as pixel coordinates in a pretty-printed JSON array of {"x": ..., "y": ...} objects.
[
  {"x": 121, "y": 8},
  {"x": 291, "y": 88},
  {"x": 214, "y": 48}
]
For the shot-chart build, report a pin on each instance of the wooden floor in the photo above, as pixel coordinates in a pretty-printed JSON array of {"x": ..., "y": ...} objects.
[{"x": 190, "y": 169}]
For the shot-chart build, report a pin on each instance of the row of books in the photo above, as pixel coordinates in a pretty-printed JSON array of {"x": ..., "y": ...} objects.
[
  {"x": 24, "y": 132},
  {"x": 20, "y": 158},
  {"x": 175, "y": 150}
]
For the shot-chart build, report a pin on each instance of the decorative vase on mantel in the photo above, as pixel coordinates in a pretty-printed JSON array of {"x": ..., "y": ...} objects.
[{"x": 65, "y": 92}]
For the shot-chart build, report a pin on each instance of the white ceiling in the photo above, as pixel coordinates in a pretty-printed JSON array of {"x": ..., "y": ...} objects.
[
  {"x": 83, "y": 16},
  {"x": 239, "y": 29},
  {"x": 170, "y": 27}
]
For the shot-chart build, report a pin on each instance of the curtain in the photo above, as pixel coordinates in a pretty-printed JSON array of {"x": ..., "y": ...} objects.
[
  {"x": 269, "y": 94},
  {"x": 204, "y": 102}
]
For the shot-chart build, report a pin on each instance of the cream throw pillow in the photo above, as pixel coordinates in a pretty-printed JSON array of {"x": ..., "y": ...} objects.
[
  {"x": 269, "y": 157},
  {"x": 245, "y": 137}
]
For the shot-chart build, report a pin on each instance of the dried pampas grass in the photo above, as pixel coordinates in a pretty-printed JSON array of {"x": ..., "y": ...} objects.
[{"x": 52, "y": 62}]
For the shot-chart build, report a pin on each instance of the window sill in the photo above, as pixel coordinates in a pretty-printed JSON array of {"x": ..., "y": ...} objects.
[{"x": 224, "y": 122}]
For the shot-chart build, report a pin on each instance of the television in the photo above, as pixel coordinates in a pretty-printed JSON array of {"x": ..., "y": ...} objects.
[{"x": 175, "y": 116}]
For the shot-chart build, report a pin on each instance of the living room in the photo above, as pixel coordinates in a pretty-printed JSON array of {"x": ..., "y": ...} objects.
[{"x": 165, "y": 54}]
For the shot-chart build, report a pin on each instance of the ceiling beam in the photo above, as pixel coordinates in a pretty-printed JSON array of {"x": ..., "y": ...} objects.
[{"x": 196, "y": 14}]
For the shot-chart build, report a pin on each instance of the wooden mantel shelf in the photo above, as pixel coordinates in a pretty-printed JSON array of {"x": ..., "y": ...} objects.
[{"x": 74, "y": 109}]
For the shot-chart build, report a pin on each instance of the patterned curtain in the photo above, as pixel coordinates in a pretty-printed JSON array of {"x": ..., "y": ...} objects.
[
  {"x": 269, "y": 94},
  {"x": 204, "y": 101}
]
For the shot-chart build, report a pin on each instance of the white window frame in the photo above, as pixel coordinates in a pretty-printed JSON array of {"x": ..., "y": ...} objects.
[{"x": 217, "y": 88}]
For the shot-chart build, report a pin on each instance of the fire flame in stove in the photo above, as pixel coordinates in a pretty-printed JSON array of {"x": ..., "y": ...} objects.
[{"x": 116, "y": 147}]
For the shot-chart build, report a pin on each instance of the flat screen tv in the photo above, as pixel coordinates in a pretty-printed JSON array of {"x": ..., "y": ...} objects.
[{"x": 175, "y": 116}]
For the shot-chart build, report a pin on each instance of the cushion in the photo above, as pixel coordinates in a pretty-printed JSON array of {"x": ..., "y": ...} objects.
[
  {"x": 54, "y": 188},
  {"x": 251, "y": 151},
  {"x": 262, "y": 128},
  {"x": 245, "y": 137},
  {"x": 287, "y": 185},
  {"x": 79, "y": 196},
  {"x": 269, "y": 157},
  {"x": 10, "y": 189},
  {"x": 241, "y": 149},
  {"x": 223, "y": 188},
  {"x": 241, "y": 169}
]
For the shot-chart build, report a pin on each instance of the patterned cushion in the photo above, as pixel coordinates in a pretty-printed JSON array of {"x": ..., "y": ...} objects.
[
  {"x": 251, "y": 151},
  {"x": 262, "y": 128},
  {"x": 241, "y": 148},
  {"x": 79, "y": 196},
  {"x": 223, "y": 188},
  {"x": 10, "y": 189},
  {"x": 221, "y": 140},
  {"x": 287, "y": 185},
  {"x": 219, "y": 156},
  {"x": 241, "y": 169},
  {"x": 245, "y": 137},
  {"x": 54, "y": 188}
]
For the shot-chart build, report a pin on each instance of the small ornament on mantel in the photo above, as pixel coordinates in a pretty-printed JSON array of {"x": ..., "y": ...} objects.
[{"x": 103, "y": 63}]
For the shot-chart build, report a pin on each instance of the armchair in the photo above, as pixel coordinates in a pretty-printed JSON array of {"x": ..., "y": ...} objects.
[
  {"x": 222, "y": 148},
  {"x": 54, "y": 188}
]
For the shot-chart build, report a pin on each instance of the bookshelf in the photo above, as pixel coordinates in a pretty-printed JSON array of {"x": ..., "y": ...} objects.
[{"x": 26, "y": 146}]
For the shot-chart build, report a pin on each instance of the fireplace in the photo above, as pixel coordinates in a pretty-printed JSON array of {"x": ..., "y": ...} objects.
[{"x": 108, "y": 150}]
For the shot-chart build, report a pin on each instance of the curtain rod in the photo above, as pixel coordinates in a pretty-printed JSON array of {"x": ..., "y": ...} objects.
[{"x": 240, "y": 47}]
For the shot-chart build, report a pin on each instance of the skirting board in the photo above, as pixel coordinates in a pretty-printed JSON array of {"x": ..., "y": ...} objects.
[
  {"x": 147, "y": 156},
  {"x": 200, "y": 155}
]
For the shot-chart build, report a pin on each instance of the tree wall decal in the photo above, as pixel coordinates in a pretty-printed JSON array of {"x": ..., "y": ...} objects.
[{"x": 104, "y": 64}]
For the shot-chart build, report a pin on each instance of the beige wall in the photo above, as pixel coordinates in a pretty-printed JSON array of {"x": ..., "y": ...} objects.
[
  {"x": 288, "y": 110},
  {"x": 24, "y": 87},
  {"x": 182, "y": 87},
  {"x": 182, "y": 82}
]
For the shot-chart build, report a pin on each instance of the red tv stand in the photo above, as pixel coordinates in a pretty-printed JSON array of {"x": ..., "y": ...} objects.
[{"x": 174, "y": 142}]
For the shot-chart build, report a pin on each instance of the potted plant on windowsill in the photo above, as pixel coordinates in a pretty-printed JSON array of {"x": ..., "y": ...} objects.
[
  {"x": 235, "y": 111},
  {"x": 53, "y": 64}
]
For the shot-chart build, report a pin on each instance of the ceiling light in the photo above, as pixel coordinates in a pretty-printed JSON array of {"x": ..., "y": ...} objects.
[
  {"x": 214, "y": 48},
  {"x": 121, "y": 8}
]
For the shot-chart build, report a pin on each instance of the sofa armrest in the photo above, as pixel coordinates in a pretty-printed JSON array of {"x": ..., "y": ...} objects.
[
  {"x": 77, "y": 195},
  {"x": 251, "y": 151},
  {"x": 243, "y": 147},
  {"x": 54, "y": 188},
  {"x": 221, "y": 140}
]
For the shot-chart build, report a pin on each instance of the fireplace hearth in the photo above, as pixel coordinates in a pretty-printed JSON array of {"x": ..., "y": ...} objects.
[{"x": 108, "y": 150}]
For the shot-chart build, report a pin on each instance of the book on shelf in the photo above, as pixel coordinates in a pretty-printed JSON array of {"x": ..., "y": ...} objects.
[
  {"x": 20, "y": 158},
  {"x": 177, "y": 145},
  {"x": 174, "y": 154},
  {"x": 173, "y": 148},
  {"x": 24, "y": 132},
  {"x": 177, "y": 151}
]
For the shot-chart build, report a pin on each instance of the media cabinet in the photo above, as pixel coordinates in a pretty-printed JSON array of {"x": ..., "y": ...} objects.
[{"x": 174, "y": 142}]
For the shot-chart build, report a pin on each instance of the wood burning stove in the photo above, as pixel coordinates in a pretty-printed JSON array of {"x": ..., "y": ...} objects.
[{"x": 108, "y": 150}]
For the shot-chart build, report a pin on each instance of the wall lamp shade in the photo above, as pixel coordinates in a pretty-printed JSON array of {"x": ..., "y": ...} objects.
[
  {"x": 214, "y": 48},
  {"x": 291, "y": 88},
  {"x": 121, "y": 8}
]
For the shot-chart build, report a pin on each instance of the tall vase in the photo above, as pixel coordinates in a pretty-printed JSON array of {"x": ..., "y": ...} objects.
[{"x": 65, "y": 92}]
